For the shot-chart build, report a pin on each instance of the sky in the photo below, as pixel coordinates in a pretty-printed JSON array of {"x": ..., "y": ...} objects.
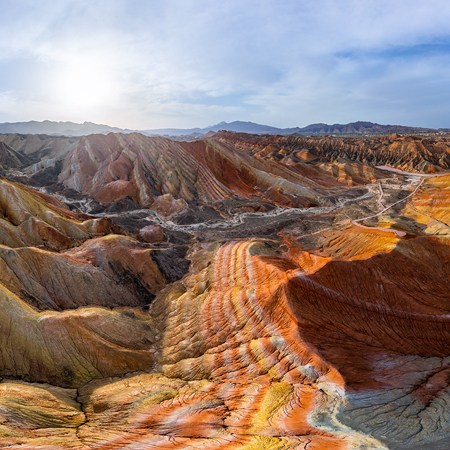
[{"x": 145, "y": 64}]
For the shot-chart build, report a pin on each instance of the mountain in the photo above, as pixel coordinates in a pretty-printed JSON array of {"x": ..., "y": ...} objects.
[
  {"x": 313, "y": 129},
  {"x": 359, "y": 128},
  {"x": 236, "y": 127},
  {"x": 244, "y": 127},
  {"x": 86, "y": 128},
  {"x": 57, "y": 128}
]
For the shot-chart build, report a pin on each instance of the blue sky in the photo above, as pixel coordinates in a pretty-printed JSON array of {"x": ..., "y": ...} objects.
[{"x": 184, "y": 63}]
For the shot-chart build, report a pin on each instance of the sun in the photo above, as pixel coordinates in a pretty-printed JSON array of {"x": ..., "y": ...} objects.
[{"x": 84, "y": 85}]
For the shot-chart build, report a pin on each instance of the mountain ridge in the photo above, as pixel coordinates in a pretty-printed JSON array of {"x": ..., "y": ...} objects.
[
  {"x": 86, "y": 128},
  {"x": 359, "y": 127},
  {"x": 59, "y": 128}
]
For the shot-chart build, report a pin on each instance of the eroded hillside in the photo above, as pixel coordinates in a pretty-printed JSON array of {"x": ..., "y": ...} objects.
[{"x": 237, "y": 292}]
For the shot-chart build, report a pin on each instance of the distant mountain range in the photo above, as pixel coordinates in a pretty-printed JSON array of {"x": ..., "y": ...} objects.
[
  {"x": 81, "y": 129},
  {"x": 58, "y": 128},
  {"x": 313, "y": 129},
  {"x": 237, "y": 127}
]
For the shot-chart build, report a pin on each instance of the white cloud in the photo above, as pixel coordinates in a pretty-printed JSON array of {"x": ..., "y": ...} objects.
[{"x": 193, "y": 62}]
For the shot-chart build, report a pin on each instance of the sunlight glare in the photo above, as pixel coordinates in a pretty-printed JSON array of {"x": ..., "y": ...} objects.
[{"x": 84, "y": 85}]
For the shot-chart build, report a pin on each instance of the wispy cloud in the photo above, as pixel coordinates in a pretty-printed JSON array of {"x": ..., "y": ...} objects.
[{"x": 196, "y": 62}]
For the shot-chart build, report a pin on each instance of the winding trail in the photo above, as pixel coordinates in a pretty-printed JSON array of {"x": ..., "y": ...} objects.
[
  {"x": 387, "y": 208},
  {"x": 247, "y": 217},
  {"x": 250, "y": 219}
]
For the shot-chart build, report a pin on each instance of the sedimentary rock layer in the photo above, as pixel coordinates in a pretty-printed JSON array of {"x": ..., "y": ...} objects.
[
  {"x": 425, "y": 154},
  {"x": 224, "y": 297},
  {"x": 31, "y": 218}
]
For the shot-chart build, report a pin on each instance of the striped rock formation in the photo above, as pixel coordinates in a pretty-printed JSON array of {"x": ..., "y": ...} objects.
[
  {"x": 113, "y": 167},
  {"x": 282, "y": 327},
  {"x": 424, "y": 154},
  {"x": 31, "y": 218}
]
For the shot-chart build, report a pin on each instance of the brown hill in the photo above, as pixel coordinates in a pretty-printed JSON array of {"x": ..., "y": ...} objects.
[{"x": 413, "y": 153}]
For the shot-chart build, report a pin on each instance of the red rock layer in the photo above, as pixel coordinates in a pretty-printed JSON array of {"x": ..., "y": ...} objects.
[
  {"x": 403, "y": 152},
  {"x": 113, "y": 167},
  {"x": 247, "y": 177}
]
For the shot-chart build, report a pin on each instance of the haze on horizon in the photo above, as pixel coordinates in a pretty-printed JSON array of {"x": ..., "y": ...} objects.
[{"x": 184, "y": 63}]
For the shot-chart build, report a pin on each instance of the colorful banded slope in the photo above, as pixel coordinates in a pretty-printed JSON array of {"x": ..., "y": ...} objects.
[{"x": 223, "y": 297}]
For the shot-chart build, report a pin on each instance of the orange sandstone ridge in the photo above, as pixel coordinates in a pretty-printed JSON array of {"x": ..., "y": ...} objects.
[{"x": 238, "y": 292}]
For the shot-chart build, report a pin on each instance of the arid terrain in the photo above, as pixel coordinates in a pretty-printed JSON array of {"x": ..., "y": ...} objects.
[{"x": 234, "y": 292}]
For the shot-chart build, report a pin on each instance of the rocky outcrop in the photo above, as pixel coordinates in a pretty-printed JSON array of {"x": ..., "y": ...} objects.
[
  {"x": 31, "y": 218},
  {"x": 423, "y": 154},
  {"x": 430, "y": 206},
  {"x": 110, "y": 271},
  {"x": 72, "y": 347},
  {"x": 10, "y": 159}
]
